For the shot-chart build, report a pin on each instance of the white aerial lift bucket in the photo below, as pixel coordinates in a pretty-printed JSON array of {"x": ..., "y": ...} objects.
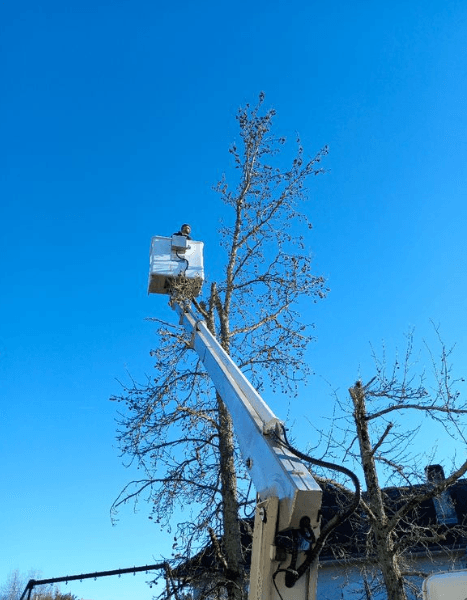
[{"x": 173, "y": 259}]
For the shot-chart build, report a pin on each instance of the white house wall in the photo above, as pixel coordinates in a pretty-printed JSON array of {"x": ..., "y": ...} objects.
[{"x": 339, "y": 581}]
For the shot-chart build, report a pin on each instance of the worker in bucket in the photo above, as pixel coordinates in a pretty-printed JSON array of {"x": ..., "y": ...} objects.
[{"x": 185, "y": 230}]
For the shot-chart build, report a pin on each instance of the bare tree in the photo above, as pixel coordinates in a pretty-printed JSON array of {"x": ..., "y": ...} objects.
[
  {"x": 175, "y": 427},
  {"x": 377, "y": 434}
]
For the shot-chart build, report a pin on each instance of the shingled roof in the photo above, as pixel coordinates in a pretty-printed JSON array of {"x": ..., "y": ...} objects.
[{"x": 350, "y": 537}]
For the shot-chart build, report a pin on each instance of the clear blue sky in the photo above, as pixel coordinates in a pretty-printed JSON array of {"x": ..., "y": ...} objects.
[{"x": 116, "y": 121}]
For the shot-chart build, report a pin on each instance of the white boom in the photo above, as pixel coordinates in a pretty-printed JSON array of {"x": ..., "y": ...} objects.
[
  {"x": 286, "y": 489},
  {"x": 275, "y": 471}
]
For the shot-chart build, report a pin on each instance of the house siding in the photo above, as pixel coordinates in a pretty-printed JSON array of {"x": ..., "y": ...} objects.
[{"x": 353, "y": 580}]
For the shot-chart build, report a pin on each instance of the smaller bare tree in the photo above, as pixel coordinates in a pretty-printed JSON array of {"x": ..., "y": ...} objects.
[{"x": 378, "y": 436}]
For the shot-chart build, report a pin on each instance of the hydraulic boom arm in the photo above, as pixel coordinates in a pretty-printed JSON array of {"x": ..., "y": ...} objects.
[{"x": 290, "y": 499}]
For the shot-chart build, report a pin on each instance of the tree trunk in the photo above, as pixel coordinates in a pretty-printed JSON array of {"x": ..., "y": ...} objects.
[
  {"x": 387, "y": 558},
  {"x": 232, "y": 538},
  {"x": 389, "y": 564}
]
